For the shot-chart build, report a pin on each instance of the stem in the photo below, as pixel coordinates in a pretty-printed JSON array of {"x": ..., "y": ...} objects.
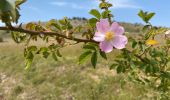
[
  {"x": 16, "y": 29},
  {"x": 109, "y": 18},
  {"x": 107, "y": 9}
]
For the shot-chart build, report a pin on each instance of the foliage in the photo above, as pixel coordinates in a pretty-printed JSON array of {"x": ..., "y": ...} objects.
[
  {"x": 145, "y": 62},
  {"x": 9, "y": 11}
]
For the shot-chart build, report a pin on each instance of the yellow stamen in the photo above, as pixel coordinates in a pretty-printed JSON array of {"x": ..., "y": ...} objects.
[{"x": 109, "y": 36}]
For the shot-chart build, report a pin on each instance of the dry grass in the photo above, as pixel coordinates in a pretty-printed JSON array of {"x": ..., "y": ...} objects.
[{"x": 62, "y": 80}]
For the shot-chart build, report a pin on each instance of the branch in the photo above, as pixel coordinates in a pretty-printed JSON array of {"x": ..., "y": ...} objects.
[{"x": 16, "y": 29}]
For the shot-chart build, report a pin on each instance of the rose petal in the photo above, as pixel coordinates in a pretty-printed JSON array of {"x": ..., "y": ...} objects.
[
  {"x": 106, "y": 46},
  {"x": 120, "y": 31},
  {"x": 119, "y": 41},
  {"x": 114, "y": 26},
  {"x": 117, "y": 29},
  {"x": 103, "y": 26},
  {"x": 99, "y": 37}
]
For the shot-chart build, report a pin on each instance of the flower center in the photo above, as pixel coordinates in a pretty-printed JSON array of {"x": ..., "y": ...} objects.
[{"x": 109, "y": 36}]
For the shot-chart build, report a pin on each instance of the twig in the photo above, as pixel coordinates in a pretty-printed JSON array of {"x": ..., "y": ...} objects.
[{"x": 16, "y": 29}]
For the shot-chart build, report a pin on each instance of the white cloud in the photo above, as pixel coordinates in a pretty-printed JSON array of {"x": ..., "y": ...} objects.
[
  {"x": 94, "y": 4},
  {"x": 75, "y": 6},
  {"x": 122, "y": 4},
  {"x": 59, "y": 3},
  {"x": 34, "y": 9},
  {"x": 68, "y": 4}
]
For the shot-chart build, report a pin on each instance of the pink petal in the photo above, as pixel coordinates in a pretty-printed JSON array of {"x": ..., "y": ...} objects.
[
  {"x": 114, "y": 26},
  {"x": 99, "y": 37},
  {"x": 117, "y": 29},
  {"x": 119, "y": 41},
  {"x": 103, "y": 26},
  {"x": 106, "y": 46}
]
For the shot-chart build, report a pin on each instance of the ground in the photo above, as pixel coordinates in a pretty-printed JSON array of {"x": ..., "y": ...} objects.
[{"x": 48, "y": 79}]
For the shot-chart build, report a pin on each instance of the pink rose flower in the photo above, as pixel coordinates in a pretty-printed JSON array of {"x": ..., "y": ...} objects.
[{"x": 110, "y": 36}]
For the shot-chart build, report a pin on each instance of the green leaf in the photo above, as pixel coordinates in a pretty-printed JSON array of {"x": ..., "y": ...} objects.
[
  {"x": 165, "y": 75},
  {"x": 90, "y": 47},
  {"x": 54, "y": 56},
  {"x": 119, "y": 69},
  {"x": 145, "y": 16},
  {"x": 83, "y": 57},
  {"x": 53, "y": 23},
  {"x": 58, "y": 53},
  {"x": 19, "y": 2},
  {"x": 113, "y": 66},
  {"x": 95, "y": 13},
  {"x": 78, "y": 29},
  {"x": 134, "y": 44},
  {"x": 46, "y": 54},
  {"x": 109, "y": 5},
  {"x": 149, "y": 16},
  {"x": 69, "y": 26},
  {"x": 14, "y": 36},
  {"x": 29, "y": 55},
  {"x": 94, "y": 59},
  {"x": 103, "y": 5},
  {"x": 8, "y": 11},
  {"x": 32, "y": 48},
  {"x": 28, "y": 63},
  {"x": 30, "y": 26},
  {"x": 93, "y": 44},
  {"x": 28, "y": 59},
  {"x": 18, "y": 37},
  {"x": 105, "y": 14},
  {"x": 103, "y": 54},
  {"x": 44, "y": 51},
  {"x": 141, "y": 15},
  {"x": 53, "y": 46},
  {"x": 63, "y": 22},
  {"x": 93, "y": 22}
]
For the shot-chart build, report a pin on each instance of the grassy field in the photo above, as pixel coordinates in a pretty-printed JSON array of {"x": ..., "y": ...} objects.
[{"x": 62, "y": 80}]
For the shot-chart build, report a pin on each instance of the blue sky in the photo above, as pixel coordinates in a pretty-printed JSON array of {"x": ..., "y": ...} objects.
[{"x": 123, "y": 10}]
